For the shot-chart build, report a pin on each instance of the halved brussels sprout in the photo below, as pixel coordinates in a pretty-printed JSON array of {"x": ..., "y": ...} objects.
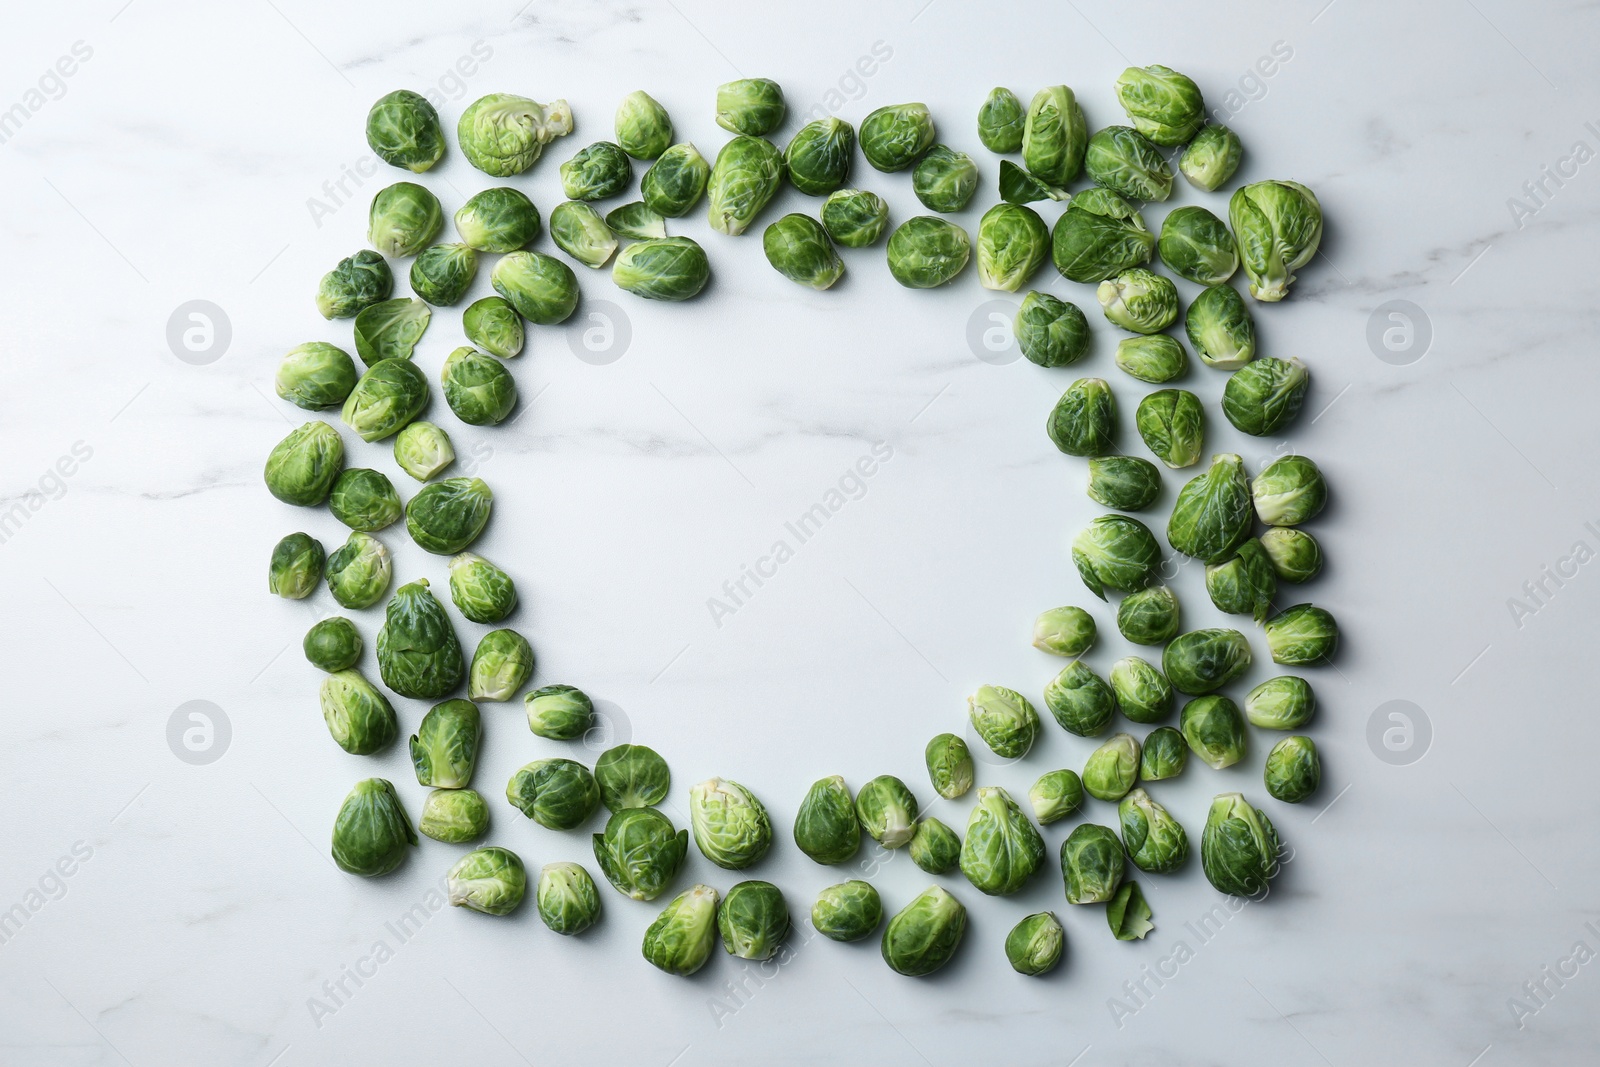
[
  {"x": 949, "y": 765},
  {"x": 359, "y": 571},
  {"x": 567, "y": 898},
  {"x": 1196, "y": 245},
  {"x": 503, "y": 134},
  {"x": 403, "y": 218},
  {"x": 494, "y": 326},
  {"x": 826, "y": 827},
  {"x": 1091, "y": 864},
  {"x": 631, "y": 776},
  {"x": 364, "y": 499},
  {"x": 1295, "y": 554},
  {"x": 1239, "y": 849},
  {"x": 1054, "y": 136},
  {"x": 403, "y": 129},
  {"x": 1067, "y": 631},
  {"x": 1001, "y": 121},
  {"x": 1113, "y": 768},
  {"x": 1055, "y": 795},
  {"x": 444, "y": 750},
  {"x": 1265, "y": 395},
  {"x": 924, "y": 935},
  {"x": 359, "y": 281},
  {"x": 372, "y": 831},
  {"x": 1126, "y": 483},
  {"x": 944, "y": 179},
  {"x": 423, "y": 450},
  {"x": 1289, "y": 492},
  {"x": 391, "y": 329},
  {"x": 316, "y": 375},
  {"x": 798, "y": 247},
  {"x": 1139, "y": 300},
  {"x": 418, "y": 654},
  {"x": 1164, "y": 755},
  {"x": 1019, "y": 187},
  {"x": 1002, "y": 849},
  {"x": 454, "y": 816},
  {"x": 683, "y": 935},
  {"x": 445, "y": 517},
  {"x": 854, "y": 218},
  {"x": 1116, "y": 552},
  {"x": 1156, "y": 842},
  {"x": 644, "y": 129},
  {"x": 730, "y": 825},
  {"x": 1128, "y": 914},
  {"x": 925, "y": 252},
  {"x": 1245, "y": 584},
  {"x": 1149, "y": 616},
  {"x": 556, "y": 793},
  {"x": 1282, "y": 703},
  {"x": 481, "y": 591},
  {"x": 559, "y": 712},
  {"x": 358, "y": 715},
  {"x": 1012, "y": 242},
  {"x": 1278, "y": 225},
  {"x": 477, "y": 387},
  {"x": 1221, "y": 329},
  {"x": 1172, "y": 424},
  {"x": 636, "y": 222},
  {"x": 1203, "y": 661},
  {"x": 848, "y": 911},
  {"x": 1081, "y": 701},
  {"x": 676, "y": 181},
  {"x": 541, "y": 288},
  {"x": 1099, "y": 235},
  {"x": 1121, "y": 159},
  {"x": 1162, "y": 104},
  {"x": 753, "y": 920},
  {"x": 1213, "y": 515},
  {"x": 1211, "y": 158},
  {"x": 663, "y": 268},
  {"x": 894, "y": 137},
  {"x": 640, "y": 852},
  {"x": 442, "y": 274},
  {"x": 296, "y": 566},
  {"x": 1004, "y": 719},
  {"x": 1302, "y": 636},
  {"x": 597, "y": 172},
  {"x": 334, "y": 644},
  {"x": 490, "y": 880},
  {"x": 1050, "y": 331},
  {"x": 1214, "y": 729},
  {"x": 887, "y": 811},
  {"x": 1294, "y": 770},
  {"x": 744, "y": 179},
  {"x": 1084, "y": 420},
  {"x": 1143, "y": 693},
  {"x": 1155, "y": 358},
  {"x": 498, "y": 220},
  {"x": 388, "y": 397},
  {"x": 935, "y": 847},
  {"x": 501, "y": 665},
  {"x": 750, "y": 105},
  {"x": 818, "y": 157},
  {"x": 1034, "y": 945}
]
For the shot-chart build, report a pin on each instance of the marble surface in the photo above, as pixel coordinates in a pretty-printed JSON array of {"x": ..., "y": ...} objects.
[{"x": 183, "y": 912}]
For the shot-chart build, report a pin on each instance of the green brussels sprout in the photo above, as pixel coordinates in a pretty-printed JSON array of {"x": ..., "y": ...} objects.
[
  {"x": 744, "y": 179},
  {"x": 753, "y": 920},
  {"x": 1084, "y": 420},
  {"x": 636, "y": 221},
  {"x": 1302, "y": 636},
  {"x": 924, "y": 935},
  {"x": 1245, "y": 584},
  {"x": 1012, "y": 242},
  {"x": 1196, "y": 245},
  {"x": 501, "y": 665},
  {"x": 334, "y": 644},
  {"x": 663, "y": 268},
  {"x": 1113, "y": 768},
  {"x": 683, "y": 935},
  {"x": 676, "y": 181},
  {"x": 1034, "y": 945},
  {"x": 944, "y": 179},
  {"x": 359, "y": 717},
  {"x": 1156, "y": 842},
  {"x": 580, "y": 232},
  {"x": 1153, "y": 358},
  {"x": 1091, "y": 864},
  {"x": 1295, "y": 554},
  {"x": 1139, "y": 300},
  {"x": 445, "y": 517},
  {"x": 391, "y": 329},
  {"x": 826, "y": 827},
  {"x": 1121, "y": 159},
  {"x": 1221, "y": 329},
  {"x": 1056, "y": 795},
  {"x": 798, "y": 247},
  {"x": 296, "y": 566},
  {"x": 423, "y": 450},
  {"x": 1282, "y": 703},
  {"x": 444, "y": 749},
  {"x": 1002, "y": 849},
  {"x": 730, "y": 825},
  {"x": 1162, "y": 104},
  {"x": 1004, "y": 719},
  {"x": 644, "y": 129},
  {"x": 1143, "y": 693},
  {"x": 1289, "y": 492},
  {"x": 358, "y": 282},
  {"x": 490, "y": 880},
  {"x": 477, "y": 387},
  {"x": 1149, "y": 616},
  {"x": 887, "y": 811},
  {"x": 481, "y": 591},
  {"x": 316, "y": 375},
  {"x": 541, "y": 288},
  {"x": 1067, "y": 631},
  {"x": 1128, "y": 913},
  {"x": 1203, "y": 661},
  {"x": 503, "y": 134},
  {"x": 1211, "y": 158},
  {"x": 567, "y": 898},
  {"x": 1278, "y": 225},
  {"x": 498, "y": 220},
  {"x": 454, "y": 816},
  {"x": 359, "y": 571},
  {"x": 1294, "y": 770},
  {"x": 1126, "y": 483},
  {"x": 1239, "y": 848},
  {"x": 494, "y": 326},
  {"x": 597, "y": 172},
  {"x": 1080, "y": 700},
  {"x": 388, "y": 397},
  {"x": 1212, "y": 516},
  {"x": 1172, "y": 424},
  {"x": 556, "y": 793},
  {"x": 1019, "y": 187},
  {"x": 559, "y": 712},
  {"x": 949, "y": 765},
  {"x": 403, "y": 129},
  {"x": 925, "y": 252},
  {"x": 403, "y": 219},
  {"x": 1001, "y": 120},
  {"x": 1214, "y": 729},
  {"x": 848, "y": 911},
  {"x": 1117, "y": 552},
  {"x": 364, "y": 499},
  {"x": 1164, "y": 755},
  {"x": 1054, "y": 136},
  {"x": 750, "y": 105},
  {"x": 817, "y": 158},
  {"x": 442, "y": 274},
  {"x": 418, "y": 654},
  {"x": 1050, "y": 331},
  {"x": 894, "y": 137},
  {"x": 640, "y": 852},
  {"x": 935, "y": 847},
  {"x": 371, "y": 832},
  {"x": 1264, "y": 396},
  {"x": 631, "y": 776},
  {"x": 854, "y": 218}
]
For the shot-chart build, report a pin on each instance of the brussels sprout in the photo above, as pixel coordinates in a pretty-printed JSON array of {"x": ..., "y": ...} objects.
[
  {"x": 1050, "y": 331},
  {"x": 442, "y": 274},
  {"x": 371, "y": 832},
  {"x": 935, "y": 847},
  {"x": 1119, "y": 158},
  {"x": 1295, "y": 554},
  {"x": 925, "y": 252},
  {"x": 1162, "y": 104},
  {"x": 1143, "y": 693},
  {"x": 1012, "y": 242},
  {"x": 567, "y": 898},
  {"x": 358, "y": 282},
  {"x": 1211, "y": 158},
  {"x": 541, "y": 288},
  {"x": 1156, "y": 842},
  {"x": 683, "y": 935},
  {"x": 498, "y": 220},
  {"x": 894, "y": 137},
  {"x": 730, "y": 825},
  {"x": 1290, "y": 491},
  {"x": 403, "y": 219},
  {"x": 1056, "y": 795},
  {"x": 636, "y": 222},
  {"x": 490, "y": 880},
  {"x": 826, "y": 827},
  {"x": 423, "y": 450},
  {"x": 1004, "y": 719},
  {"x": 1203, "y": 661},
  {"x": 364, "y": 499},
  {"x": 753, "y": 920},
  {"x": 559, "y": 712},
  {"x": 1065, "y": 631},
  {"x": 1294, "y": 770},
  {"x": 1080, "y": 700},
  {"x": 1034, "y": 945},
  {"x": 1099, "y": 235},
  {"x": 1239, "y": 848},
  {"x": 1264, "y": 396},
  {"x": 1126, "y": 483},
  {"x": 316, "y": 375},
  {"x": 818, "y": 158},
  {"x": 445, "y": 517},
  {"x": 1221, "y": 329},
  {"x": 391, "y": 329},
  {"x": 644, "y": 129},
  {"x": 1118, "y": 552},
  {"x": 1149, "y": 616},
  {"x": 1302, "y": 636},
  {"x": 334, "y": 644},
  {"x": 359, "y": 717},
  {"x": 403, "y": 129},
  {"x": 597, "y": 172},
  {"x": 640, "y": 852},
  {"x": 631, "y": 776},
  {"x": 418, "y": 654},
  {"x": 1084, "y": 420},
  {"x": 444, "y": 749},
  {"x": 503, "y": 134},
  {"x": 1128, "y": 914},
  {"x": 944, "y": 179},
  {"x": 750, "y": 105},
  {"x": 949, "y": 765},
  {"x": 501, "y": 665},
  {"x": 1214, "y": 729},
  {"x": 1055, "y": 136},
  {"x": 580, "y": 232},
  {"x": 555, "y": 793},
  {"x": 1091, "y": 863},
  {"x": 1001, "y": 120},
  {"x": 1002, "y": 849},
  {"x": 1196, "y": 245},
  {"x": 924, "y": 935},
  {"x": 494, "y": 326},
  {"x": 359, "y": 571},
  {"x": 391, "y": 394},
  {"x": 854, "y": 218},
  {"x": 1155, "y": 358},
  {"x": 1113, "y": 768},
  {"x": 1139, "y": 300},
  {"x": 454, "y": 816},
  {"x": 676, "y": 181},
  {"x": 1019, "y": 187},
  {"x": 1172, "y": 424},
  {"x": 477, "y": 387},
  {"x": 1282, "y": 703},
  {"x": 296, "y": 566},
  {"x": 887, "y": 811},
  {"x": 1164, "y": 755},
  {"x": 797, "y": 246},
  {"x": 1212, "y": 516},
  {"x": 1278, "y": 225},
  {"x": 848, "y": 911},
  {"x": 744, "y": 179},
  {"x": 1245, "y": 584},
  {"x": 663, "y": 268},
  {"x": 480, "y": 590}
]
